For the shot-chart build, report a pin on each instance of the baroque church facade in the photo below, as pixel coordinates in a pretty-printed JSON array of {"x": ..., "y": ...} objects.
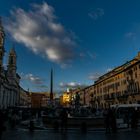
[{"x": 9, "y": 79}]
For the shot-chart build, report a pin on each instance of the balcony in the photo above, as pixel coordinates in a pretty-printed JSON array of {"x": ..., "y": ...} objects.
[
  {"x": 133, "y": 92},
  {"x": 123, "y": 97},
  {"x": 109, "y": 97}
]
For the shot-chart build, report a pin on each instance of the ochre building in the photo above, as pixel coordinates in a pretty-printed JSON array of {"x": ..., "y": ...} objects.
[
  {"x": 119, "y": 86},
  {"x": 39, "y": 99}
]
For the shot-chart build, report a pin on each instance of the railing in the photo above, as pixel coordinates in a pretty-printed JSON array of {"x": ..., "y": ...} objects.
[
  {"x": 109, "y": 98},
  {"x": 122, "y": 97}
]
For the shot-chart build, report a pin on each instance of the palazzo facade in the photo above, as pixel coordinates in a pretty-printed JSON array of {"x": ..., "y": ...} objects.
[{"x": 9, "y": 79}]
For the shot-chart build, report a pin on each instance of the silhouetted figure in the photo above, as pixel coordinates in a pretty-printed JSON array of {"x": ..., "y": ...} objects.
[
  {"x": 63, "y": 119},
  {"x": 1, "y": 123},
  {"x": 31, "y": 126},
  {"x": 56, "y": 126},
  {"x": 113, "y": 121},
  {"x": 127, "y": 119},
  {"x": 83, "y": 127},
  {"x": 134, "y": 120},
  {"x": 108, "y": 121},
  {"x": 13, "y": 120},
  {"x": 77, "y": 101}
]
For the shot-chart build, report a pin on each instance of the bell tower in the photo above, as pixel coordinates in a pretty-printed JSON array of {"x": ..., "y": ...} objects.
[
  {"x": 2, "y": 37},
  {"x": 12, "y": 63}
]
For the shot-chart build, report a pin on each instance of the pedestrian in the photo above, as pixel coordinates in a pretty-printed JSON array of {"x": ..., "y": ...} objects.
[
  {"x": 63, "y": 119},
  {"x": 108, "y": 121},
  {"x": 2, "y": 127},
  {"x": 134, "y": 119},
  {"x": 113, "y": 121},
  {"x": 14, "y": 119},
  {"x": 84, "y": 127},
  {"x": 127, "y": 118},
  {"x": 56, "y": 125},
  {"x": 31, "y": 126}
]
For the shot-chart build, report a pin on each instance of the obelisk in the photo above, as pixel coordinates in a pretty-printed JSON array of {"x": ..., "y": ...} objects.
[{"x": 51, "y": 86}]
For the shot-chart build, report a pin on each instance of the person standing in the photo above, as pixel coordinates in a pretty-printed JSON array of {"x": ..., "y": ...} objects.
[
  {"x": 1, "y": 123},
  {"x": 63, "y": 119},
  {"x": 113, "y": 121},
  {"x": 134, "y": 120},
  {"x": 108, "y": 120}
]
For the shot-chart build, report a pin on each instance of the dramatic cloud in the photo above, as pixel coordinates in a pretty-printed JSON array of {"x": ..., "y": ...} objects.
[
  {"x": 71, "y": 85},
  {"x": 94, "y": 76},
  {"x": 130, "y": 35},
  {"x": 96, "y": 14},
  {"x": 109, "y": 69},
  {"x": 35, "y": 83},
  {"x": 33, "y": 79},
  {"x": 39, "y": 30}
]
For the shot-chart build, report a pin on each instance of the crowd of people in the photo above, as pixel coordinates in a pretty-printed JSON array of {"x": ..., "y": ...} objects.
[
  {"x": 130, "y": 118},
  {"x": 9, "y": 119},
  {"x": 110, "y": 121},
  {"x": 109, "y": 115}
]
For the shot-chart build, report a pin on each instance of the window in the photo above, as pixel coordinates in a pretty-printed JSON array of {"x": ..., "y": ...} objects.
[
  {"x": 11, "y": 60},
  {"x": 135, "y": 75},
  {"x": 124, "y": 82}
]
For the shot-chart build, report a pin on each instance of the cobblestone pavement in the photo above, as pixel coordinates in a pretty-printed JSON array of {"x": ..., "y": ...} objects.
[{"x": 70, "y": 135}]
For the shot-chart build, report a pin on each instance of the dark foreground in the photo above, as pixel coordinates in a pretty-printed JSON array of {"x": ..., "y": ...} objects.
[{"x": 21, "y": 134}]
